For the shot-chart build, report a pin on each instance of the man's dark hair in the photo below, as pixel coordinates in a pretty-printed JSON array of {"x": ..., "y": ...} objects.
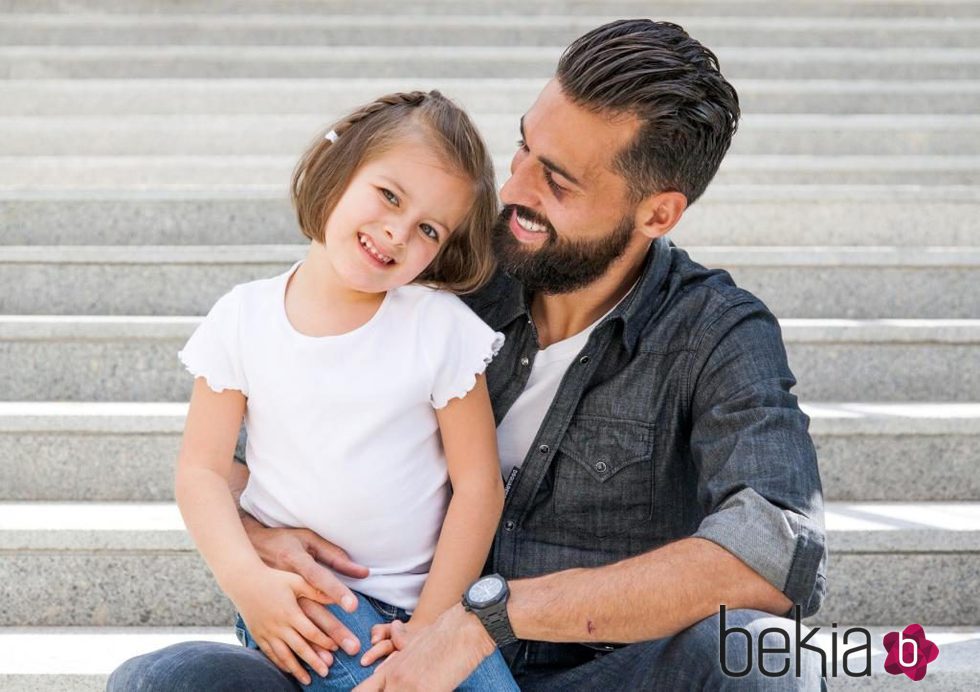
[{"x": 655, "y": 71}]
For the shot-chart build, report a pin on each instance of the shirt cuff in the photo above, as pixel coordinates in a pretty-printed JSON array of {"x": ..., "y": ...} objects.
[{"x": 787, "y": 549}]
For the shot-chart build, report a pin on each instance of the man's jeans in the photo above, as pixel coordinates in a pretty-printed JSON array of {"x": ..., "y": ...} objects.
[
  {"x": 686, "y": 661},
  {"x": 210, "y": 666}
]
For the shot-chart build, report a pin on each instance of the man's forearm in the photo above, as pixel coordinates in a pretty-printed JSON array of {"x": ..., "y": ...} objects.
[
  {"x": 237, "y": 480},
  {"x": 649, "y": 596}
]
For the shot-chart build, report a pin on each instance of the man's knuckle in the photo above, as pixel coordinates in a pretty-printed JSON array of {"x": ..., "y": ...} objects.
[{"x": 283, "y": 555}]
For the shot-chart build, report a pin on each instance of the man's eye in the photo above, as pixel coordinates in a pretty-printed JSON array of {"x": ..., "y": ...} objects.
[
  {"x": 389, "y": 195},
  {"x": 555, "y": 187},
  {"x": 521, "y": 144}
]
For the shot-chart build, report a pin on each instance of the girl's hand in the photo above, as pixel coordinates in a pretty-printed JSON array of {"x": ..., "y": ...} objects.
[
  {"x": 388, "y": 638},
  {"x": 268, "y": 604}
]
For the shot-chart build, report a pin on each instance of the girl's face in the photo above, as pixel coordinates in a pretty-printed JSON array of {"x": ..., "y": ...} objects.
[{"x": 394, "y": 216}]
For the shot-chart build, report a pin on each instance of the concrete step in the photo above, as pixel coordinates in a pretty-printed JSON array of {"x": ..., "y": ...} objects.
[
  {"x": 96, "y": 451},
  {"x": 862, "y": 283},
  {"x": 624, "y": 8},
  {"x": 187, "y": 97},
  {"x": 274, "y": 172},
  {"x": 126, "y": 451},
  {"x": 80, "y": 659},
  {"x": 749, "y": 215},
  {"x": 870, "y": 451},
  {"x": 84, "y": 62},
  {"x": 95, "y": 564},
  {"x": 503, "y": 29},
  {"x": 118, "y": 359},
  {"x": 289, "y": 135}
]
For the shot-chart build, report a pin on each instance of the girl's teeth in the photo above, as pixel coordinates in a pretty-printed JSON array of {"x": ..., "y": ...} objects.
[{"x": 373, "y": 250}]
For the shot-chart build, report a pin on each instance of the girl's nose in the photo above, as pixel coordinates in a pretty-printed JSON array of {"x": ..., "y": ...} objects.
[{"x": 396, "y": 233}]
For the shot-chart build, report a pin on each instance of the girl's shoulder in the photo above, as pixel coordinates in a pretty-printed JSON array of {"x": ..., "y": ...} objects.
[{"x": 428, "y": 301}]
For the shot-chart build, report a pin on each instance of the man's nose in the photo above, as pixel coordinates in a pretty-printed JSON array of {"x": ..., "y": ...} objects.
[{"x": 519, "y": 187}]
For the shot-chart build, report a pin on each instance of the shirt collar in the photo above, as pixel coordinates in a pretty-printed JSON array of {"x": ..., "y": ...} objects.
[
  {"x": 508, "y": 300},
  {"x": 638, "y": 307}
]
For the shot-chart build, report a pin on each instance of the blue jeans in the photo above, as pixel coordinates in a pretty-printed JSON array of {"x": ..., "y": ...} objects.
[
  {"x": 197, "y": 666},
  {"x": 347, "y": 671}
]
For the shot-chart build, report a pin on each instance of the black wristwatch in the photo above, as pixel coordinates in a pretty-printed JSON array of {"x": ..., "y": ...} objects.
[{"x": 487, "y": 599}]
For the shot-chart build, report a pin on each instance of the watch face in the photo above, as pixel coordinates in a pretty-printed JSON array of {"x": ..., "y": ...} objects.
[{"x": 485, "y": 591}]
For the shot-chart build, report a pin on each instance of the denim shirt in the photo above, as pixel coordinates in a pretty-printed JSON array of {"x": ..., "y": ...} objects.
[{"x": 675, "y": 420}]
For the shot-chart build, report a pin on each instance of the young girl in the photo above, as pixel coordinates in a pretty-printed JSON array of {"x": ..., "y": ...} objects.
[{"x": 362, "y": 390}]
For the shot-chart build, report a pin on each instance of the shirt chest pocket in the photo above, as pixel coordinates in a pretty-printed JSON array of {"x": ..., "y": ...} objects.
[{"x": 604, "y": 479}]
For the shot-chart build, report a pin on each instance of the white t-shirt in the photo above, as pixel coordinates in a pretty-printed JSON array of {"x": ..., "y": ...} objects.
[
  {"x": 342, "y": 431},
  {"x": 517, "y": 430},
  {"x": 520, "y": 425}
]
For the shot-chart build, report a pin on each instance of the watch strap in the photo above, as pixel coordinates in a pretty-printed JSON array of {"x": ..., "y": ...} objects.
[{"x": 497, "y": 623}]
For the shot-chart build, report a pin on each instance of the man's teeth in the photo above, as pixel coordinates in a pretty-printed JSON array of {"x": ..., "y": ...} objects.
[
  {"x": 369, "y": 246},
  {"x": 530, "y": 226}
]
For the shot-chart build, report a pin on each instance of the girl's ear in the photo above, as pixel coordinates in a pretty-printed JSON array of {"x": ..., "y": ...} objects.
[{"x": 659, "y": 213}]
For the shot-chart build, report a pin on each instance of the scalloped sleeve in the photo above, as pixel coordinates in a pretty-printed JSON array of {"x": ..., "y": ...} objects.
[
  {"x": 464, "y": 346},
  {"x": 214, "y": 349}
]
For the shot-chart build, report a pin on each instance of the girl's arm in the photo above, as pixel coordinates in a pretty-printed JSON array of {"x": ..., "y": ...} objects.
[
  {"x": 469, "y": 438},
  {"x": 266, "y": 598}
]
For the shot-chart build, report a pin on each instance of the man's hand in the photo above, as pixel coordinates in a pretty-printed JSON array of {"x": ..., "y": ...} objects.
[
  {"x": 388, "y": 638},
  {"x": 438, "y": 657},
  {"x": 303, "y": 552}
]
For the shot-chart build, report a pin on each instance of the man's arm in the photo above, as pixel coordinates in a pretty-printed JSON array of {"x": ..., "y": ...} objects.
[{"x": 649, "y": 596}]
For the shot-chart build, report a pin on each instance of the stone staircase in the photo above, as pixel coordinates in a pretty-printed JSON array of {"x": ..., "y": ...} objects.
[{"x": 145, "y": 149}]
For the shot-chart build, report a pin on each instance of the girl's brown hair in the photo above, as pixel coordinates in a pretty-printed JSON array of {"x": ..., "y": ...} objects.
[{"x": 465, "y": 261}]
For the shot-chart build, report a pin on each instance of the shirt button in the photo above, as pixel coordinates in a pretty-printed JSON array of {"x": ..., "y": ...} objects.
[
  {"x": 544, "y": 449},
  {"x": 509, "y": 526},
  {"x": 525, "y": 361},
  {"x": 601, "y": 466},
  {"x": 583, "y": 360}
]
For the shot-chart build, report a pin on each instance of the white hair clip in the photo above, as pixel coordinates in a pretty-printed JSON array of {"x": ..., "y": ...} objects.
[{"x": 332, "y": 136}]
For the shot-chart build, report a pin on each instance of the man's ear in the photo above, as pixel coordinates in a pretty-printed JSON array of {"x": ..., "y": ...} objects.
[{"x": 659, "y": 213}]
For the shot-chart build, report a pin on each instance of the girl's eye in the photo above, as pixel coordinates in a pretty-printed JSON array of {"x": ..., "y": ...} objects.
[
  {"x": 389, "y": 195},
  {"x": 555, "y": 187},
  {"x": 521, "y": 144},
  {"x": 429, "y": 231}
]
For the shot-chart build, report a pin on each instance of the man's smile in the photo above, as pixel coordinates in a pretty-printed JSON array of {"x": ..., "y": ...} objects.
[{"x": 525, "y": 229}]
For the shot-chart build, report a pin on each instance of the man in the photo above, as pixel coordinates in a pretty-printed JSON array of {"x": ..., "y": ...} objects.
[{"x": 658, "y": 466}]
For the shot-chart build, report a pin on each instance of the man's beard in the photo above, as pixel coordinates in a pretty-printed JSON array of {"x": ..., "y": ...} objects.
[{"x": 558, "y": 266}]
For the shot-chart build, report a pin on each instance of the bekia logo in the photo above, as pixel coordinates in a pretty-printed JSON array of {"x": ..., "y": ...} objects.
[{"x": 909, "y": 652}]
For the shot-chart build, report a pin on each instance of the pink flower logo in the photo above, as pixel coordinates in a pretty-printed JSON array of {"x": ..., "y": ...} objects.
[{"x": 909, "y": 652}]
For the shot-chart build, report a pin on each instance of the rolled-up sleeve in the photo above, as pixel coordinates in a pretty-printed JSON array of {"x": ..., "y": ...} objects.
[{"x": 758, "y": 481}]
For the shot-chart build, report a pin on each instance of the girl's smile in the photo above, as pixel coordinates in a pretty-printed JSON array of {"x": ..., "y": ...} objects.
[{"x": 372, "y": 251}]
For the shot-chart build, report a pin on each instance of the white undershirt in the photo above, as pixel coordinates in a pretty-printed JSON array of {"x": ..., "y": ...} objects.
[{"x": 520, "y": 425}]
